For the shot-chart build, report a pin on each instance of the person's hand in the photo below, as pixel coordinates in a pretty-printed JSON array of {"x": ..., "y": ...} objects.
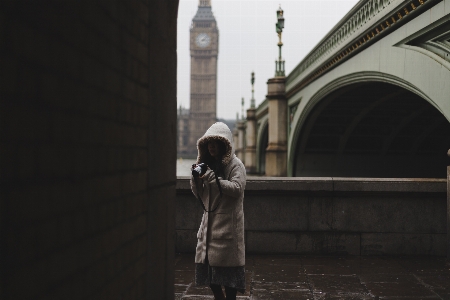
[
  {"x": 208, "y": 175},
  {"x": 193, "y": 166}
]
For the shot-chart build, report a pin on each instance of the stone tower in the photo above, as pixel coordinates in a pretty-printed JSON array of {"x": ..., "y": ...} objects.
[{"x": 204, "y": 50}]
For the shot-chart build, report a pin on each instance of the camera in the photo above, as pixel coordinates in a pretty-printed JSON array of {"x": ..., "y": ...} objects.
[{"x": 199, "y": 170}]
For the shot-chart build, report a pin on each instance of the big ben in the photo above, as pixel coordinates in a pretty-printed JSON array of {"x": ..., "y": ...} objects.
[{"x": 204, "y": 45}]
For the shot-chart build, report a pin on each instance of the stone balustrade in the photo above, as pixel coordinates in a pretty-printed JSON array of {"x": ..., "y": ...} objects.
[{"x": 356, "y": 216}]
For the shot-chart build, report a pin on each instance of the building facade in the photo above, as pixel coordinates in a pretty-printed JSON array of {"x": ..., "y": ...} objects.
[{"x": 204, "y": 45}]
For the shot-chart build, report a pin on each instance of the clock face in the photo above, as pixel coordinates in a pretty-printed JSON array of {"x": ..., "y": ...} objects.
[{"x": 202, "y": 40}]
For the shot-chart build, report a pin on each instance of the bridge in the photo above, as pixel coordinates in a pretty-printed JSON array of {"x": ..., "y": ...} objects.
[{"x": 372, "y": 99}]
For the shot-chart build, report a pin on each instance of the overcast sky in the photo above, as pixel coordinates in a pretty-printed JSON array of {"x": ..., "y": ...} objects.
[{"x": 248, "y": 42}]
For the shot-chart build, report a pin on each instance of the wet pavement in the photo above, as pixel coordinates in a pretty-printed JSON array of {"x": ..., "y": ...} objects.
[{"x": 328, "y": 277}]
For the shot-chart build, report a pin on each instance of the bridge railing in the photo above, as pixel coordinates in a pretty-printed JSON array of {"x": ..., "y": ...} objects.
[{"x": 356, "y": 216}]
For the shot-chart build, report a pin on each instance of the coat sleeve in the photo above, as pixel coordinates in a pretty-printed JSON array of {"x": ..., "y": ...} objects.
[
  {"x": 199, "y": 182},
  {"x": 236, "y": 185}
]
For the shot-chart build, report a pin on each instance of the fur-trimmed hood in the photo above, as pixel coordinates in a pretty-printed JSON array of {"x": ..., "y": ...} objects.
[{"x": 219, "y": 131}]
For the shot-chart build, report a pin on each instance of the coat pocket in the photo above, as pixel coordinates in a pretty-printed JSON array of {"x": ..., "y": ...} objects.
[{"x": 222, "y": 226}]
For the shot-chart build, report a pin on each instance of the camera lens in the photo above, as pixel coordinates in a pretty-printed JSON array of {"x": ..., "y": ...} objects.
[{"x": 197, "y": 171}]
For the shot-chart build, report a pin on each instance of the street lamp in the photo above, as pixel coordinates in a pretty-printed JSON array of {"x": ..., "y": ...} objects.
[
  {"x": 242, "y": 108},
  {"x": 279, "y": 65},
  {"x": 252, "y": 101}
]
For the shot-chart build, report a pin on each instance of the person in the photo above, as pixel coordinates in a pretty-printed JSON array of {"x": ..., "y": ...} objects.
[{"x": 220, "y": 252}]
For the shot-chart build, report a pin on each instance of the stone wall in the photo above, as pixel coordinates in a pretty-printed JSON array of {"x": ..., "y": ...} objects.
[
  {"x": 332, "y": 216},
  {"x": 87, "y": 89}
]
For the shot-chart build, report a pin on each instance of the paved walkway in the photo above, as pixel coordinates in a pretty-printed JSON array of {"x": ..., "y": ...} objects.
[{"x": 329, "y": 277}]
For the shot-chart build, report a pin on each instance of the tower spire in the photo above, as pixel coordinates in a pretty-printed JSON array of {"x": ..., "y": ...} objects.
[
  {"x": 204, "y": 42},
  {"x": 204, "y": 3}
]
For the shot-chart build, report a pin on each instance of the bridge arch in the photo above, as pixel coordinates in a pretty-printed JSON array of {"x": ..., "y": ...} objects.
[{"x": 358, "y": 145}]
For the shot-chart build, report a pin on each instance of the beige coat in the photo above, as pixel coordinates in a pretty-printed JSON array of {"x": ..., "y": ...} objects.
[{"x": 221, "y": 233}]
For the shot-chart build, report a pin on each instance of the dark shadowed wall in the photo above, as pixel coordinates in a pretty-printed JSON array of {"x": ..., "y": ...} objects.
[{"x": 87, "y": 149}]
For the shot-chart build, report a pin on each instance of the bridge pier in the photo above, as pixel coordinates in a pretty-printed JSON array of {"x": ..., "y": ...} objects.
[
  {"x": 250, "y": 147},
  {"x": 276, "y": 153},
  {"x": 240, "y": 143},
  {"x": 236, "y": 138}
]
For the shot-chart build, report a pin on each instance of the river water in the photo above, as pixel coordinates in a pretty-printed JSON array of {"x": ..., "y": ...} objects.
[{"x": 184, "y": 166}]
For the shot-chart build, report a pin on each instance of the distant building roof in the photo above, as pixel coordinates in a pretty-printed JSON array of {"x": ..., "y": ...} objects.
[{"x": 182, "y": 111}]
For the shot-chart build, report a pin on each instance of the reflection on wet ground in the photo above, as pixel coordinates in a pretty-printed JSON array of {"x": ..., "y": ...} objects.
[{"x": 329, "y": 277}]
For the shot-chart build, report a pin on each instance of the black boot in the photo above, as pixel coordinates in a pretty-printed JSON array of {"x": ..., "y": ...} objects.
[
  {"x": 217, "y": 291},
  {"x": 231, "y": 293}
]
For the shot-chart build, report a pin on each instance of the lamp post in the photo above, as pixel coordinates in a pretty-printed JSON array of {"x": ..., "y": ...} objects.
[
  {"x": 279, "y": 65},
  {"x": 241, "y": 135},
  {"x": 250, "y": 133},
  {"x": 252, "y": 101},
  {"x": 276, "y": 151},
  {"x": 242, "y": 104}
]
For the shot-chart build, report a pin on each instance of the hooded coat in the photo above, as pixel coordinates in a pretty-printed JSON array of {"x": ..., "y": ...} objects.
[{"x": 221, "y": 233}]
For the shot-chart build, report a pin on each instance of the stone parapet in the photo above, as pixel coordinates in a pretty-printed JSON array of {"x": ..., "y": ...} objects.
[
  {"x": 357, "y": 216},
  {"x": 294, "y": 185}
]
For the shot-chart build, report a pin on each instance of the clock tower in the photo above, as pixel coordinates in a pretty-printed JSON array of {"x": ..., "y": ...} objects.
[{"x": 204, "y": 50}]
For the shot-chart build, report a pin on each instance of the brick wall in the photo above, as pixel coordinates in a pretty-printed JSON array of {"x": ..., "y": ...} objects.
[{"x": 87, "y": 149}]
